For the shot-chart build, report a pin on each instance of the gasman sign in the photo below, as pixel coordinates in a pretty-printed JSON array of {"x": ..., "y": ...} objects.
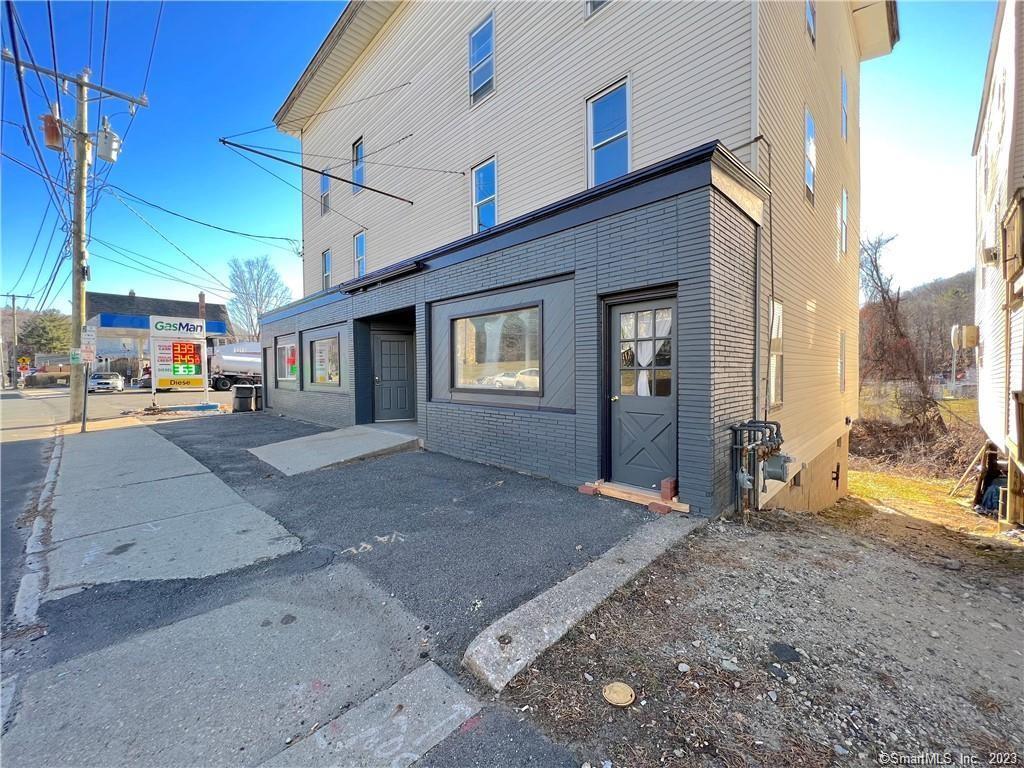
[{"x": 177, "y": 327}]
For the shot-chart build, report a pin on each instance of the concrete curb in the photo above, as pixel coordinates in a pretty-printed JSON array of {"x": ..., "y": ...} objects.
[
  {"x": 33, "y": 583},
  {"x": 515, "y": 640}
]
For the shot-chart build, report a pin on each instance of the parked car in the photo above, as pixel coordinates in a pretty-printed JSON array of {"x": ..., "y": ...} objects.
[
  {"x": 505, "y": 380},
  {"x": 528, "y": 378},
  {"x": 106, "y": 382}
]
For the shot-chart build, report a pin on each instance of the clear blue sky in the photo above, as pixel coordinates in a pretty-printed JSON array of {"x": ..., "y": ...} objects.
[
  {"x": 221, "y": 68},
  {"x": 918, "y": 112}
]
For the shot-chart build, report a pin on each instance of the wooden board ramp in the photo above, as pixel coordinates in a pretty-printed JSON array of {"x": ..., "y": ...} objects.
[{"x": 650, "y": 499}]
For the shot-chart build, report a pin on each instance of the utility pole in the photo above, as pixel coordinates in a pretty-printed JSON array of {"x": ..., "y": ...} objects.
[
  {"x": 14, "y": 336},
  {"x": 80, "y": 255}
]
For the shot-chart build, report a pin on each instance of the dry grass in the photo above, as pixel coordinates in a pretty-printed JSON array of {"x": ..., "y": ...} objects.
[{"x": 922, "y": 498}]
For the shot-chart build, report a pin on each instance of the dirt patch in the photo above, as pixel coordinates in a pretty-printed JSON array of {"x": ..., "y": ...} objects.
[{"x": 908, "y": 637}]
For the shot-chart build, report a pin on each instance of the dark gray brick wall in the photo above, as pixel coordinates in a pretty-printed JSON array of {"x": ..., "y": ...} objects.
[{"x": 696, "y": 242}]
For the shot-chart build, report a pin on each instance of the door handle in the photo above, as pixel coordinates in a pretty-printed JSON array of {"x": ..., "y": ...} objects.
[{"x": 615, "y": 398}]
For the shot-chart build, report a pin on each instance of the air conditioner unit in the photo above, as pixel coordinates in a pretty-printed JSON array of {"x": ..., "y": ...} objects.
[{"x": 990, "y": 256}]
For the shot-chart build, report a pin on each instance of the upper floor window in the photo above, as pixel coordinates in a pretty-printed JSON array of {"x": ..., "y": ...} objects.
[
  {"x": 325, "y": 192},
  {"x": 325, "y": 262},
  {"x": 608, "y": 129},
  {"x": 844, "y": 211},
  {"x": 593, "y": 6},
  {"x": 810, "y": 154},
  {"x": 775, "y": 357},
  {"x": 844, "y": 115},
  {"x": 812, "y": 19},
  {"x": 359, "y": 252},
  {"x": 358, "y": 167},
  {"x": 481, "y": 60},
  {"x": 485, "y": 195}
]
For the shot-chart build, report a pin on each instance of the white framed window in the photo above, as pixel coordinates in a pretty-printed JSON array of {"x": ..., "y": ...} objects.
[
  {"x": 775, "y": 361},
  {"x": 485, "y": 195},
  {"x": 842, "y": 361},
  {"x": 358, "y": 167},
  {"x": 287, "y": 362},
  {"x": 325, "y": 263},
  {"x": 593, "y": 6},
  {"x": 481, "y": 60},
  {"x": 844, "y": 228},
  {"x": 359, "y": 253},
  {"x": 810, "y": 154},
  {"x": 811, "y": 14},
  {"x": 844, "y": 101},
  {"x": 325, "y": 192},
  {"x": 608, "y": 134}
]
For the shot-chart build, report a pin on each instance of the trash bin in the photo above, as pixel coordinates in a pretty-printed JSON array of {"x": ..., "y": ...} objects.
[
  {"x": 244, "y": 397},
  {"x": 259, "y": 397}
]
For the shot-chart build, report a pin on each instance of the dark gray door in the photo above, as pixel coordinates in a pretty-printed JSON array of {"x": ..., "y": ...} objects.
[
  {"x": 394, "y": 378},
  {"x": 643, "y": 393}
]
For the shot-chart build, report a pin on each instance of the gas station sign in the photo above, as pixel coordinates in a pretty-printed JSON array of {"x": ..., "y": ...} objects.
[{"x": 178, "y": 347}]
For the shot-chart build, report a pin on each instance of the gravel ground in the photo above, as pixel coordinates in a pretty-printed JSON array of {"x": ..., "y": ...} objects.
[{"x": 855, "y": 637}]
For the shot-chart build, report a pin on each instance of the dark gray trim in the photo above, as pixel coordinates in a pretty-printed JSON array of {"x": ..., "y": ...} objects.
[
  {"x": 539, "y": 392},
  {"x": 679, "y": 174}
]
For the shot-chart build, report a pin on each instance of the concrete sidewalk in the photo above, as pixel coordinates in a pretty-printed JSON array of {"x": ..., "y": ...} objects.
[
  {"x": 129, "y": 505},
  {"x": 302, "y": 454}
]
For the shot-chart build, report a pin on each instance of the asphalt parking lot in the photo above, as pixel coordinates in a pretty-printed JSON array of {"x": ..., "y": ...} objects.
[{"x": 459, "y": 543}]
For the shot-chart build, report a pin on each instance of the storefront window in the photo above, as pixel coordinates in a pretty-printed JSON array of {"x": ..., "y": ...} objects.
[
  {"x": 326, "y": 362},
  {"x": 287, "y": 362},
  {"x": 499, "y": 351}
]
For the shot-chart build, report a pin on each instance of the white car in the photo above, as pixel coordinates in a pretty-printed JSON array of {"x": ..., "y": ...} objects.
[
  {"x": 505, "y": 380},
  {"x": 106, "y": 382}
]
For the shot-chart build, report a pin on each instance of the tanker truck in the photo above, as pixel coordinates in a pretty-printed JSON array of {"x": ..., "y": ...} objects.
[{"x": 235, "y": 364}]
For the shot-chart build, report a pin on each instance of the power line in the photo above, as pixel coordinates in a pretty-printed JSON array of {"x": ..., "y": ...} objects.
[
  {"x": 249, "y": 235},
  {"x": 58, "y": 291},
  {"x": 46, "y": 250},
  {"x": 163, "y": 275},
  {"x": 174, "y": 245},
  {"x": 323, "y": 111},
  {"x": 32, "y": 252},
  {"x": 297, "y": 188},
  {"x": 314, "y": 170},
  {"x": 348, "y": 160},
  {"x": 30, "y": 169},
  {"x": 41, "y": 163},
  {"x": 127, "y": 253},
  {"x": 53, "y": 51},
  {"x": 99, "y": 105}
]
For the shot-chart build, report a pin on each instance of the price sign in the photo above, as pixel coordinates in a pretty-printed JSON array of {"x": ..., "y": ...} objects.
[
  {"x": 186, "y": 358},
  {"x": 178, "y": 364}
]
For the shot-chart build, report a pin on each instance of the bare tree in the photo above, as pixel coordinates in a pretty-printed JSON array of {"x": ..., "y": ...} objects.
[
  {"x": 257, "y": 289},
  {"x": 887, "y": 350}
]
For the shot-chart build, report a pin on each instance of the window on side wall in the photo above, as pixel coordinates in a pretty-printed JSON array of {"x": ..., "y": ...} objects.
[
  {"x": 325, "y": 192},
  {"x": 844, "y": 100},
  {"x": 810, "y": 155},
  {"x": 359, "y": 253},
  {"x": 608, "y": 134},
  {"x": 287, "y": 362},
  {"x": 593, "y": 6},
  {"x": 775, "y": 362},
  {"x": 485, "y": 195},
  {"x": 358, "y": 167},
  {"x": 842, "y": 361},
  {"x": 844, "y": 222},
  {"x": 325, "y": 362},
  {"x": 498, "y": 352},
  {"x": 481, "y": 61},
  {"x": 325, "y": 259},
  {"x": 811, "y": 14}
]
